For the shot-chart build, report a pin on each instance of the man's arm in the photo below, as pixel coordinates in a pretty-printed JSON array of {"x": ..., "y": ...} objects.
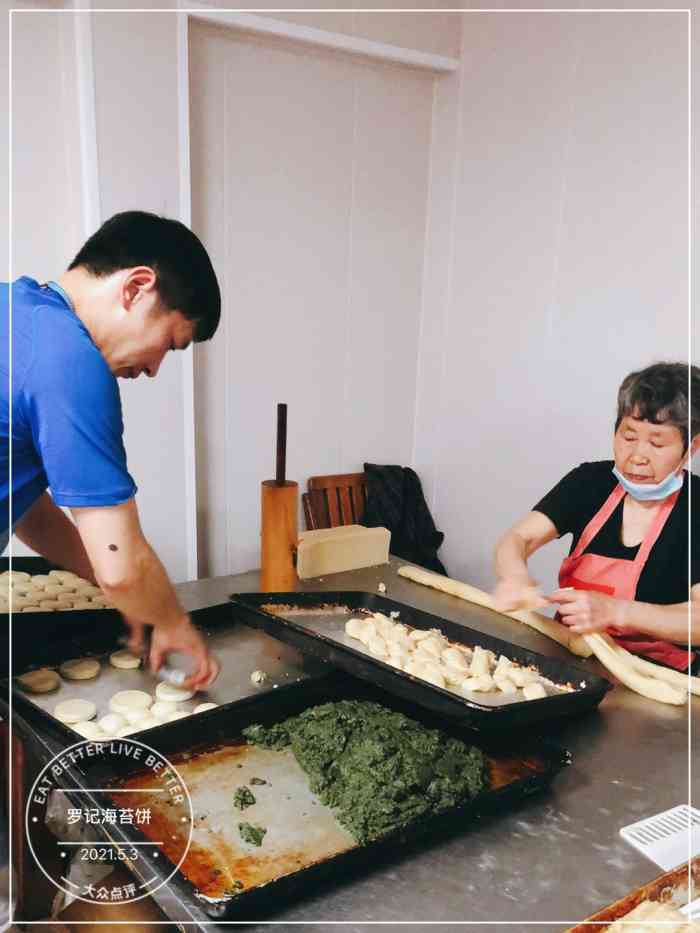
[
  {"x": 48, "y": 531},
  {"x": 134, "y": 580}
]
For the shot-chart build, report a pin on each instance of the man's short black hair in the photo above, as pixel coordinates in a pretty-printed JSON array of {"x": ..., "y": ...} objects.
[
  {"x": 660, "y": 394},
  {"x": 186, "y": 280}
]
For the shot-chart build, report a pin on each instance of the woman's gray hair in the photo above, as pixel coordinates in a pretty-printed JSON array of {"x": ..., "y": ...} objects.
[{"x": 659, "y": 394}]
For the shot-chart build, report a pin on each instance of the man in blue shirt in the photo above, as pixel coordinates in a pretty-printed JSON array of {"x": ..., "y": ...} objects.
[{"x": 140, "y": 286}]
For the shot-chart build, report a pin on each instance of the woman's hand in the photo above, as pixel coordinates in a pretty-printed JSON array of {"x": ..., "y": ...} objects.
[
  {"x": 514, "y": 593},
  {"x": 586, "y": 611}
]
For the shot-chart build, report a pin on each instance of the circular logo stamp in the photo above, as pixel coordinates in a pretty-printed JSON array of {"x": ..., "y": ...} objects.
[{"x": 140, "y": 819}]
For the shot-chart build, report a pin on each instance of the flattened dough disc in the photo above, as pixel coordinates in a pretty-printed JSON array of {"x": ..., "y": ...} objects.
[
  {"x": 124, "y": 660},
  {"x": 41, "y": 681},
  {"x": 128, "y": 701},
  {"x": 71, "y": 711},
  {"x": 173, "y": 694},
  {"x": 80, "y": 669}
]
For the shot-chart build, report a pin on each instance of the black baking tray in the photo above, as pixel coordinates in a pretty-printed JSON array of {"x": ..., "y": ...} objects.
[
  {"x": 539, "y": 759},
  {"x": 48, "y": 639},
  {"x": 589, "y": 688},
  {"x": 35, "y": 565}
]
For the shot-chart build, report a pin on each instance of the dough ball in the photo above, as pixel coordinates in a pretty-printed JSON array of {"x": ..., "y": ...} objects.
[
  {"x": 72, "y": 711},
  {"x": 534, "y": 691},
  {"x": 431, "y": 673},
  {"x": 178, "y": 714},
  {"x": 39, "y": 681},
  {"x": 124, "y": 660},
  {"x": 418, "y": 634},
  {"x": 134, "y": 716},
  {"x": 87, "y": 591},
  {"x": 63, "y": 576},
  {"x": 23, "y": 602},
  {"x": 80, "y": 669},
  {"x": 258, "y": 677},
  {"x": 99, "y": 602},
  {"x": 483, "y": 684},
  {"x": 203, "y": 707},
  {"x": 521, "y": 676},
  {"x": 112, "y": 723},
  {"x": 65, "y": 602},
  {"x": 18, "y": 575},
  {"x": 369, "y": 631},
  {"x": 49, "y": 605},
  {"x": 40, "y": 580},
  {"x": 161, "y": 709},
  {"x": 455, "y": 658},
  {"x": 504, "y": 685},
  {"x": 82, "y": 603},
  {"x": 377, "y": 646},
  {"x": 173, "y": 694},
  {"x": 88, "y": 730},
  {"x": 148, "y": 722},
  {"x": 354, "y": 627},
  {"x": 129, "y": 701},
  {"x": 53, "y": 590}
]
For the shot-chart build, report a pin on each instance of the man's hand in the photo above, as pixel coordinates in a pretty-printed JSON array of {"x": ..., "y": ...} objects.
[
  {"x": 517, "y": 593},
  {"x": 182, "y": 636},
  {"x": 586, "y": 611}
]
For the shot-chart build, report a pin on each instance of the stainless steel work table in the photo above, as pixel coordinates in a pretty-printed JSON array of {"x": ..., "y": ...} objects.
[{"x": 557, "y": 857}]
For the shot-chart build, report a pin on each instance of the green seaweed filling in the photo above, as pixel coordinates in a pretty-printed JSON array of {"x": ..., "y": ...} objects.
[
  {"x": 243, "y": 798},
  {"x": 251, "y": 834},
  {"x": 380, "y": 769}
]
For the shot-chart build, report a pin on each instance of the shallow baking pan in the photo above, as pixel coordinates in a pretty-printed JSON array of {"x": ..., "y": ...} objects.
[
  {"x": 315, "y": 623},
  {"x": 305, "y": 844}
]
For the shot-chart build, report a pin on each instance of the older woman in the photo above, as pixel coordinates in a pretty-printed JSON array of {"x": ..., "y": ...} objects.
[{"x": 628, "y": 568}]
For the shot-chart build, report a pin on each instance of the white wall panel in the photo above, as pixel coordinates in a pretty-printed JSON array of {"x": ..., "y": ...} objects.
[
  {"x": 569, "y": 263},
  {"x": 324, "y": 217}
]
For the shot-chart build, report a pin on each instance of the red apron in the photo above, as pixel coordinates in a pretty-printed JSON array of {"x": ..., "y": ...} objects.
[{"x": 618, "y": 577}]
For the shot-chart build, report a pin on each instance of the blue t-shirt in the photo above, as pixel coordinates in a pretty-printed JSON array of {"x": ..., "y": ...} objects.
[{"x": 66, "y": 411}]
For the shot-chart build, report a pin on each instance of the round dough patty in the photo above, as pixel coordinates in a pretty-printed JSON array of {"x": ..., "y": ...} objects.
[
  {"x": 162, "y": 708},
  {"x": 72, "y": 711},
  {"x": 80, "y": 669},
  {"x": 88, "y": 730},
  {"x": 112, "y": 723},
  {"x": 124, "y": 660},
  {"x": 173, "y": 694},
  {"x": 129, "y": 701},
  {"x": 41, "y": 681}
]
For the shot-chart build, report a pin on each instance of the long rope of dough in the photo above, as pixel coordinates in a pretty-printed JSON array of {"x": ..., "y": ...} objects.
[
  {"x": 667, "y": 674},
  {"x": 554, "y": 630},
  {"x": 650, "y": 687}
]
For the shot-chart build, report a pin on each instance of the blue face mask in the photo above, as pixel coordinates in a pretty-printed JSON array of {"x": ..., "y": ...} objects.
[{"x": 651, "y": 492}]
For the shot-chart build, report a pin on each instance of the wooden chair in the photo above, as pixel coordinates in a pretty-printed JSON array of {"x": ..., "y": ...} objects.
[{"x": 335, "y": 500}]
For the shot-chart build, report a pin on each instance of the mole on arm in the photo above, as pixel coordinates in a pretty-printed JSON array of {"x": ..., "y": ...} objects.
[{"x": 113, "y": 547}]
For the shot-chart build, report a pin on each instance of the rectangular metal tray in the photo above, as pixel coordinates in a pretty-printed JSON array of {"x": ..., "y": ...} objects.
[
  {"x": 319, "y": 630},
  {"x": 320, "y": 850},
  {"x": 52, "y": 638}
]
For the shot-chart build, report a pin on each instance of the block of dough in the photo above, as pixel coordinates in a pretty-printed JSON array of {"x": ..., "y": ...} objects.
[
  {"x": 80, "y": 669},
  {"x": 534, "y": 692},
  {"x": 40, "y": 681},
  {"x": 72, "y": 711},
  {"x": 348, "y": 547},
  {"x": 129, "y": 701},
  {"x": 203, "y": 707},
  {"x": 161, "y": 709},
  {"x": 124, "y": 660},
  {"x": 173, "y": 694},
  {"x": 88, "y": 730}
]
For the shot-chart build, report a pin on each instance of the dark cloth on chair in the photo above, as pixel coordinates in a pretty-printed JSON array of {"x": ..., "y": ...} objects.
[{"x": 395, "y": 501}]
